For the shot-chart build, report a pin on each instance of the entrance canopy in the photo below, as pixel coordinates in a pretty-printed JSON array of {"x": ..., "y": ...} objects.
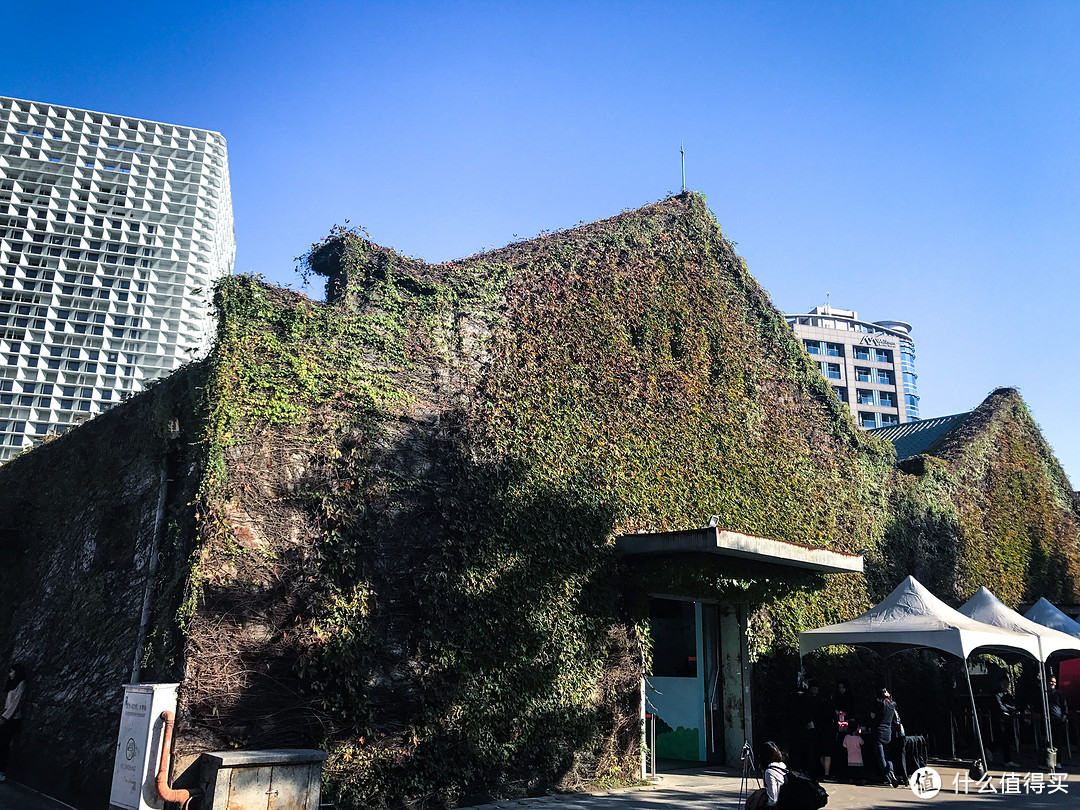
[
  {"x": 714, "y": 540},
  {"x": 985, "y": 607},
  {"x": 912, "y": 617},
  {"x": 1049, "y": 616}
]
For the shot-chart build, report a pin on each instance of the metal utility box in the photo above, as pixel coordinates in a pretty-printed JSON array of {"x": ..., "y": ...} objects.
[
  {"x": 285, "y": 779},
  {"x": 138, "y": 747}
]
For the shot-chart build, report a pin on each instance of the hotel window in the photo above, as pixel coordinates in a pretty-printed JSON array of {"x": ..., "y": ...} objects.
[
  {"x": 834, "y": 350},
  {"x": 884, "y": 376},
  {"x": 812, "y": 346},
  {"x": 862, "y": 374},
  {"x": 867, "y": 420},
  {"x": 889, "y": 419},
  {"x": 885, "y": 399},
  {"x": 883, "y": 355},
  {"x": 862, "y": 353},
  {"x": 831, "y": 370},
  {"x": 841, "y": 394},
  {"x": 865, "y": 397}
]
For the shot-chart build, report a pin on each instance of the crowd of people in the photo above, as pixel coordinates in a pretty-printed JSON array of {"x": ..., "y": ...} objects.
[{"x": 838, "y": 736}]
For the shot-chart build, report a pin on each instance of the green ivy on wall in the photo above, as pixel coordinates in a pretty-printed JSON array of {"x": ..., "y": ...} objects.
[{"x": 433, "y": 467}]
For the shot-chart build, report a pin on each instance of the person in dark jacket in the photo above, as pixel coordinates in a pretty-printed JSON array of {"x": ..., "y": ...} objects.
[
  {"x": 804, "y": 738},
  {"x": 843, "y": 705},
  {"x": 1059, "y": 711},
  {"x": 884, "y": 715},
  {"x": 1002, "y": 711},
  {"x": 825, "y": 735}
]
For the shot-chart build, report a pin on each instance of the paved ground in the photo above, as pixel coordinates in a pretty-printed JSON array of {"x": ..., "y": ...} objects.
[
  {"x": 719, "y": 789},
  {"x": 14, "y": 796}
]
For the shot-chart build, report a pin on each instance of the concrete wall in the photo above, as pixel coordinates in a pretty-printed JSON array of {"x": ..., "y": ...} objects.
[{"x": 735, "y": 682}]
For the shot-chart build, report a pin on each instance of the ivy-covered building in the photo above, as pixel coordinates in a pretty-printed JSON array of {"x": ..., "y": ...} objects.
[{"x": 421, "y": 525}]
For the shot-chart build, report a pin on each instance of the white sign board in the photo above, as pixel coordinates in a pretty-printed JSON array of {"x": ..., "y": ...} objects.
[{"x": 138, "y": 746}]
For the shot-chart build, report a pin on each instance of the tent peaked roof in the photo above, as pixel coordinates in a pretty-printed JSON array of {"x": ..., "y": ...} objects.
[
  {"x": 911, "y": 617},
  {"x": 1047, "y": 615},
  {"x": 985, "y": 607}
]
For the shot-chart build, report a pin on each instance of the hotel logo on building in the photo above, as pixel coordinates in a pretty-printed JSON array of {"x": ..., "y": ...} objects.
[{"x": 878, "y": 340}]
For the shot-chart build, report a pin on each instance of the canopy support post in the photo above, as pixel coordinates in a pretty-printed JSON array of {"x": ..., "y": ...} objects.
[
  {"x": 975, "y": 716},
  {"x": 1045, "y": 703}
]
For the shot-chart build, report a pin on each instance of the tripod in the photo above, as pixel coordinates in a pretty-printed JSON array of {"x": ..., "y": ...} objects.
[{"x": 750, "y": 781}]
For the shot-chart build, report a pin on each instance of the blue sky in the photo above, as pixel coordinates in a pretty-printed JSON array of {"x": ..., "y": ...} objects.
[{"x": 916, "y": 161}]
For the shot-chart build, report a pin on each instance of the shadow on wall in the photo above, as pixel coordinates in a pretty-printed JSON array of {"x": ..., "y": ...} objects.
[
  {"x": 450, "y": 629},
  {"x": 78, "y": 524}
]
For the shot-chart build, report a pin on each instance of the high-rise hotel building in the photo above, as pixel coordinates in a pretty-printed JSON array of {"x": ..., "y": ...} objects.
[
  {"x": 113, "y": 231},
  {"x": 871, "y": 366}
]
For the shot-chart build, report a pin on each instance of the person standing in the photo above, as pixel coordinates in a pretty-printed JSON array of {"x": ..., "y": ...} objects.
[
  {"x": 884, "y": 716},
  {"x": 825, "y": 735},
  {"x": 853, "y": 744},
  {"x": 1059, "y": 711},
  {"x": 1002, "y": 711},
  {"x": 844, "y": 705},
  {"x": 11, "y": 717},
  {"x": 844, "y": 711},
  {"x": 804, "y": 742}
]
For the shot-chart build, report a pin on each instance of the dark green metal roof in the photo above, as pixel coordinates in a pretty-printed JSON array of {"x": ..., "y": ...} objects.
[{"x": 913, "y": 438}]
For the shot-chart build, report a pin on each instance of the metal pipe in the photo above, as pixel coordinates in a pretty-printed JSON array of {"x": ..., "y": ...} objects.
[
  {"x": 652, "y": 746},
  {"x": 644, "y": 717},
  {"x": 181, "y": 797}
]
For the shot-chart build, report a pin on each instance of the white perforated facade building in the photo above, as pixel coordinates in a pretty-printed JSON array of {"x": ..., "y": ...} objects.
[{"x": 113, "y": 231}]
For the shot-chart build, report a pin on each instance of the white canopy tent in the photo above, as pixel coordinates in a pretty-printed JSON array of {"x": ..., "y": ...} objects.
[
  {"x": 912, "y": 617},
  {"x": 1044, "y": 613},
  {"x": 987, "y": 608}
]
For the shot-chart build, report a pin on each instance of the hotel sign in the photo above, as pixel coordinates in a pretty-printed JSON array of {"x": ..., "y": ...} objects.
[{"x": 878, "y": 340}]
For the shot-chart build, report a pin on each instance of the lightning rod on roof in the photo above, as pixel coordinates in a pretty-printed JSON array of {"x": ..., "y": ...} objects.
[{"x": 682, "y": 154}]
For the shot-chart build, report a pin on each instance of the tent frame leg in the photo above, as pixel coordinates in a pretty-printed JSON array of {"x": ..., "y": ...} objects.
[
  {"x": 975, "y": 716},
  {"x": 1046, "y": 712}
]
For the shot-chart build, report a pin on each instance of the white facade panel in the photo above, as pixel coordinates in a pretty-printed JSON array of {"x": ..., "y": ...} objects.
[{"x": 113, "y": 231}]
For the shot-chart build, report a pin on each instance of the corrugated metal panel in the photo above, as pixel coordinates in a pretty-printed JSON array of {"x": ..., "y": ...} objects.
[{"x": 912, "y": 438}]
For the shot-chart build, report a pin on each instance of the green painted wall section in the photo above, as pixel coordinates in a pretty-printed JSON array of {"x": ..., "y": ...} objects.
[{"x": 681, "y": 743}]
